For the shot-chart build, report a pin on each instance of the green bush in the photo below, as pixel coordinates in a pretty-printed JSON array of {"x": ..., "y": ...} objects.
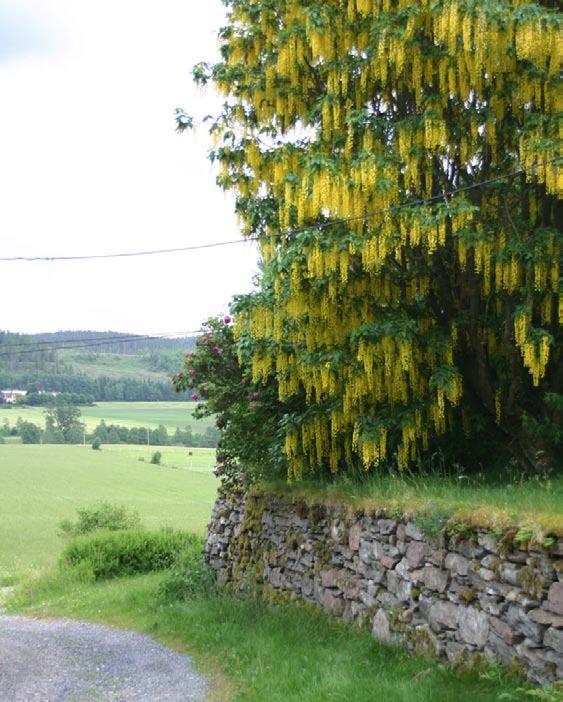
[
  {"x": 189, "y": 576},
  {"x": 156, "y": 458},
  {"x": 96, "y": 444},
  {"x": 109, "y": 554},
  {"x": 102, "y": 515}
]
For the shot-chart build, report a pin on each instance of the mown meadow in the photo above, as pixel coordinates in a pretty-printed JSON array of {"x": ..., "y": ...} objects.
[{"x": 129, "y": 414}]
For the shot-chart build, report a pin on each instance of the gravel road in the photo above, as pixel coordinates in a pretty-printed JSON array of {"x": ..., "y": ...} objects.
[{"x": 68, "y": 661}]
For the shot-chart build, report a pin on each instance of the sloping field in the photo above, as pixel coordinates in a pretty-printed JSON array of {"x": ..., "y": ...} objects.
[{"x": 43, "y": 484}]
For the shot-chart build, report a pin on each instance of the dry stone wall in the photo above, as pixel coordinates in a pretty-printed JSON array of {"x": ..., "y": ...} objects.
[{"x": 461, "y": 596}]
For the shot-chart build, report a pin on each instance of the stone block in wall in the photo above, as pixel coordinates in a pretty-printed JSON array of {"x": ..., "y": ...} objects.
[
  {"x": 543, "y": 616},
  {"x": 381, "y": 628},
  {"x": 554, "y": 639},
  {"x": 416, "y": 554},
  {"x": 473, "y": 626},
  {"x": 457, "y": 564},
  {"x": 414, "y": 532},
  {"x": 400, "y": 588},
  {"x": 443, "y": 614},
  {"x": 435, "y": 578},
  {"x": 555, "y": 598}
]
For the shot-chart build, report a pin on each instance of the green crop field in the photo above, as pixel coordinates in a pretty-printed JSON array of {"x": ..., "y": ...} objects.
[
  {"x": 114, "y": 365},
  {"x": 128, "y": 414},
  {"x": 40, "y": 485}
]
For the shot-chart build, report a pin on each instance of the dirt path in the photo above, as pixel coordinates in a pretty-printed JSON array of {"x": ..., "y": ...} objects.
[{"x": 68, "y": 661}]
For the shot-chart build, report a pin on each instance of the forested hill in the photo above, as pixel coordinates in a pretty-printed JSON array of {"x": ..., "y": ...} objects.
[
  {"x": 102, "y": 365},
  {"x": 115, "y": 342}
]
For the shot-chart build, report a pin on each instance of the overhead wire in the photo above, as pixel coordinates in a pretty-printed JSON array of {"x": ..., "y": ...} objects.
[
  {"x": 282, "y": 234},
  {"x": 110, "y": 339},
  {"x": 26, "y": 351}
]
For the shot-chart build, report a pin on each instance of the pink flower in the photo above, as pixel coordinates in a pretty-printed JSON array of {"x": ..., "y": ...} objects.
[
  {"x": 227, "y": 319},
  {"x": 195, "y": 397},
  {"x": 255, "y": 396},
  {"x": 190, "y": 354},
  {"x": 216, "y": 350},
  {"x": 218, "y": 471},
  {"x": 191, "y": 372}
]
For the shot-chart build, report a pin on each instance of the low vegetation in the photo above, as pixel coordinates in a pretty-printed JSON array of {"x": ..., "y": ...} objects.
[
  {"x": 109, "y": 554},
  {"x": 103, "y": 515}
]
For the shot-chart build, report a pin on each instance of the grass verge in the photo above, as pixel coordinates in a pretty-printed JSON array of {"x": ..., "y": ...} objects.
[
  {"x": 256, "y": 652},
  {"x": 440, "y": 499}
]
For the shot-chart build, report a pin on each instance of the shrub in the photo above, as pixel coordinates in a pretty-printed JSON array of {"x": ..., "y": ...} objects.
[
  {"x": 156, "y": 458},
  {"x": 189, "y": 576},
  {"x": 109, "y": 554},
  {"x": 102, "y": 515},
  {"x": 96, "y": 444}
]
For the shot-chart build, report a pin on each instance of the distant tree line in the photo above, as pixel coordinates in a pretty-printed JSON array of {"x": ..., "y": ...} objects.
[
  {"x": 116, "y": 434},
  {"x": 63, "y": 426},
  {"x": 98, "y": 389}
]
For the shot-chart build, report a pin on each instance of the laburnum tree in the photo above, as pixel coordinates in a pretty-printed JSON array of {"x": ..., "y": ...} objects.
[{"x": 397, "y": 160}]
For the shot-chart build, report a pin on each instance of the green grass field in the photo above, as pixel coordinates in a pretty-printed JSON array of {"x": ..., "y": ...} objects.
[
  {"x": 40, "y": 485},
  {"x": 113, "y": 365},
  {"x": 127, "y": 414}
]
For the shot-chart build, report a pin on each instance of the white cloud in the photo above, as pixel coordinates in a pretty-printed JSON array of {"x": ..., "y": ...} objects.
[{"x": 90, "y": 163}]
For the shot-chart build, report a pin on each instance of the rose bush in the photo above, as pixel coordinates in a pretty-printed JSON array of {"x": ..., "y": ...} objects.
[{"x": 249, "y": 415}]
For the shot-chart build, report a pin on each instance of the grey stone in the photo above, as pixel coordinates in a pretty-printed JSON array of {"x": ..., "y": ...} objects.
[
  {"x": 506, "y": 633},
  {"x": 307, "y": 585},
  {"x": 354, "y": 537},
  {"x": 542, "y": 616},
  {"x": 381, "y": 628},
  {"x": 366, "y": 551},
  {"x": 456, "y": 563},
  {"x": 491, "y": 562},
  {"x": 387, "y": 526},
  {"x": 554, "y": 639},
  {"x": 486, "y": 574},
  {"x": 437, "y": 557},
  {"x": 435, "y": 579},
  {"x": 329, "y": 577},
  {"x": 380, "y": 550},
  {"x": 399, "y": 587},
  {"x": 444, "y": 614},
  {"x": 332, "y": 603},
  {"x": 413, "y": 532},
  {"x": 555, "y": 598},
  {"x": 352, "y": 589},
  {"x": 488, "y": 542},
  {"x": 387, "y": 599},
  {"x": 474, "y": 626},
  {"x": 509, "y": 573},
  {"x": 517, "y": 619},
  {"x": 402, "y": 568},
  {"x": 469, "y": 549},
  {"x": 416, "y": 553}
]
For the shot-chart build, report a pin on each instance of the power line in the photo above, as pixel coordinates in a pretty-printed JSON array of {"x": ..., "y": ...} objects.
[
  {"x": 110, "y": 339},
  {"x": 283, "y": 234},
  {"x": 88, "y": 345}
]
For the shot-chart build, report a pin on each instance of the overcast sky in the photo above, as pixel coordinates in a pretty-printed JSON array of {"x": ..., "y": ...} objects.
[{"x": 90, "y": 163}]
